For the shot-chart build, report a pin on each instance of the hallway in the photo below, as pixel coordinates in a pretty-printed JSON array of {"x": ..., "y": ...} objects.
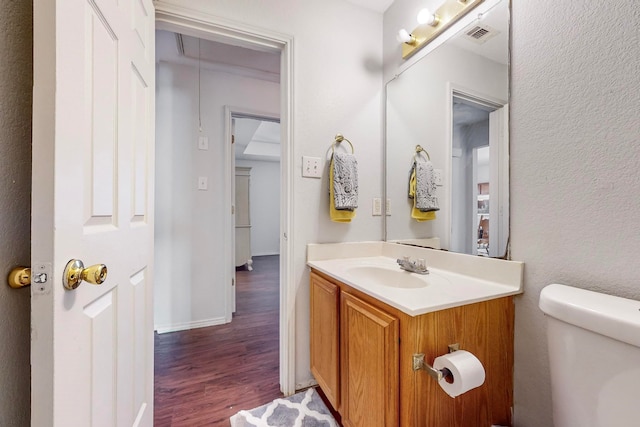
[{"x": 205, "y": 375}]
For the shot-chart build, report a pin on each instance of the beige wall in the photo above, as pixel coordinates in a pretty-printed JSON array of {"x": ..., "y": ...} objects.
[{"x": 15, "y": 206}]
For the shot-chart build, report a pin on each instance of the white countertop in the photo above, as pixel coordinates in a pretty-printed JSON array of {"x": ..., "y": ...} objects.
[{"x": 454, "y": 279}]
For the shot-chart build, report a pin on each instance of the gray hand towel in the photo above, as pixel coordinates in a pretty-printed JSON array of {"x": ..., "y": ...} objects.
[
  {"x": 345, "y": 181},
  {"x": 426, "y": 199}
]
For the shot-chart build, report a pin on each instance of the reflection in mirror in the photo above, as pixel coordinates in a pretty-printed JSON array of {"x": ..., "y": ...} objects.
[
  {"x": 454, "y": 103},
  {"x": 478, "y": 137}
]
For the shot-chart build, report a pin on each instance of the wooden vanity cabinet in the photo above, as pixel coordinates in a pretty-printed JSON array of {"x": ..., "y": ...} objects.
[
  {"x": 369, "y": 364},
  {"x": 362, "y": 351},
  {"x": 354, "y": 355},
  {"x": 325, "y": 341}
]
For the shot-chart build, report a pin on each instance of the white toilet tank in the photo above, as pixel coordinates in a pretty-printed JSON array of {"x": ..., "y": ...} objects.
[{"x": 594, "y": 357}]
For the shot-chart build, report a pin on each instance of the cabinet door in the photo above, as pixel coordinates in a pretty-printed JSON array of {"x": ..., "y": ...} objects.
[
  {"x": 369, "y": 365},
  {"x": 325, "y": 362}
]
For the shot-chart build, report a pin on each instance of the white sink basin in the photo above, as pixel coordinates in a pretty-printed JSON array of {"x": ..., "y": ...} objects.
[
  {"x": 414, "y": 294},
  {"x": 393, "y": 277}
]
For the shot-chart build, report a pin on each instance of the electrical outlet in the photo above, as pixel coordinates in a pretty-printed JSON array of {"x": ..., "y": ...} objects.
[
  {"x": 377, "y": 206},
  {"x": 203, "y": 143},
  {"x": 203, "y": 183},
  {"x": 437, "y": 177},
  {"x": 311, "y": 167}
]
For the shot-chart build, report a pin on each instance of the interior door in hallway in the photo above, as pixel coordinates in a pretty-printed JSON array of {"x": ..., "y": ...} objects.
[
  {"x": 254, "y": 181},
  {"x": 93, "y": 166}
]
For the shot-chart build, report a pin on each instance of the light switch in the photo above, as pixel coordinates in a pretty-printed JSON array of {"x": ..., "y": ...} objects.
[
  {"x": 311, "y": 167},
  {"x": 203, "y": 143},
  {"x": 377, "y": 206},
  {"x": 203, "y": 183}
]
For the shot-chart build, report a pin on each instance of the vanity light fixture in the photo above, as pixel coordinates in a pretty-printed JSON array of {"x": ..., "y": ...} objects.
[
  {"x": 404, "y": 37},
  {"x": 431, "y": 25},
  {"x": 426, "y": 17}
]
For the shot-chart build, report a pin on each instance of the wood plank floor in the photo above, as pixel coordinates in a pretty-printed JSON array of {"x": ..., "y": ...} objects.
[{"x": 205, "y": 375}]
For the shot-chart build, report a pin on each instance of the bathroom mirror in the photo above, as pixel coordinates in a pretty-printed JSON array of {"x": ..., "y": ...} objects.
[{"x": 453, "y": 102}]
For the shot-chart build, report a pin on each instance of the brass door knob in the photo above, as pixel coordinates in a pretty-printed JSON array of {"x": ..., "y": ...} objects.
[
  {"x": 20, "y": 277},
  {"x": 75, "y": 273}
]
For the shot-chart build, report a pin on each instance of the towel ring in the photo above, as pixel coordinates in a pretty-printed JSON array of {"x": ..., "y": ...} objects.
[
  {"x": 419, "y": 150},
  {"x": 339, "y": 138}
]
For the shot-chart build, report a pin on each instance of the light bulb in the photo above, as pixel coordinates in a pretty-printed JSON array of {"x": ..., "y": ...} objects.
[
  {"x": 404, "y": 36},
  {"x": 426, "y": 17}
]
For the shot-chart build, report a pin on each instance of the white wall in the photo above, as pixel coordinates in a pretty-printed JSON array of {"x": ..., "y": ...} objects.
[
  {"x": 189, "y": 290},
  {"x": 418, "y": 112},
  {"x": 15, "y": 207},
  {"x": 574, "y": 128},
  {"x": 337, "y": 88},
  {"x": 575, "y": 97},
  {"x": 264, "y": 206},
  {"x": 574, "y": 167}
]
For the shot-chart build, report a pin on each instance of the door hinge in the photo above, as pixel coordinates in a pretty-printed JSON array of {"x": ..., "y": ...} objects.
[
  {"x": 233, "y": 282},
  {"x": 233, "y": 209},
  {"x": 233, "y": 139}
]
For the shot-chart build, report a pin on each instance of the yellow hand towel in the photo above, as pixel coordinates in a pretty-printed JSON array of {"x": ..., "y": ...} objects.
[
  {"x": 334, "y": 214},
  {"x": 417, "y": 214}
]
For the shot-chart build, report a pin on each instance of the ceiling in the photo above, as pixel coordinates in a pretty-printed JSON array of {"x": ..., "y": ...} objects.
[
  {"x": 466, "y": 114},
  {"x": 217, "y": 56},
  {"x": 496, "y": 46},
  {"x": 236, "y": 56},
  {"x": 375, "y": 5},
  {"x": 256, "y": 139}
]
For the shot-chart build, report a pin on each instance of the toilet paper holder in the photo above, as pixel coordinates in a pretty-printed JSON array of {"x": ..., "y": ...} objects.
[{"x": 437, "y": 374}]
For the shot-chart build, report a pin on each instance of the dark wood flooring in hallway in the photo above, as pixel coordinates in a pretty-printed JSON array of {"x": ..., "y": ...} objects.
[{"x": 205, "y": 375}]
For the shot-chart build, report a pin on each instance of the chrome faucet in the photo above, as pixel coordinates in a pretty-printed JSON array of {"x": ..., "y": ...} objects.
[{"x": 419, "y": 266}]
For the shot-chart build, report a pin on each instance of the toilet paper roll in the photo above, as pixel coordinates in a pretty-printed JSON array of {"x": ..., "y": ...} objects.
[{"x": 466, "y": 369}]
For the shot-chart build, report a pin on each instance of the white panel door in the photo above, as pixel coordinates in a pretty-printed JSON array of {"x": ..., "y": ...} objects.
[{"x": 93, "y": 167}]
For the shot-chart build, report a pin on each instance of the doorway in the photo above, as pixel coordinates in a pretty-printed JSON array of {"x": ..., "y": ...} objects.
[
  {"x": 256, "y": 175},
  {"x": 211, "y": 28},
  {"x": 475, "y": 182},
  {"x": 201, "y": 144}
]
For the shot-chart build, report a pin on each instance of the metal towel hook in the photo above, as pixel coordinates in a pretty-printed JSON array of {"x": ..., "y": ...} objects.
[
  {"x": 419, "y": 150},
  {"x": 338, "y": 139}
]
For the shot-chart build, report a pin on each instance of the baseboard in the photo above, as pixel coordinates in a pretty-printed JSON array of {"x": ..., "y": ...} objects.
[
  {"x": 306, "y": 384},
  {"x": 190, "y": 325},
  {"x": 265, "y": 254}
]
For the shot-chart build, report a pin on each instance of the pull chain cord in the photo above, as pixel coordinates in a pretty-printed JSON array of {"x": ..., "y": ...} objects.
[{"x": 199, "y": 92}]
